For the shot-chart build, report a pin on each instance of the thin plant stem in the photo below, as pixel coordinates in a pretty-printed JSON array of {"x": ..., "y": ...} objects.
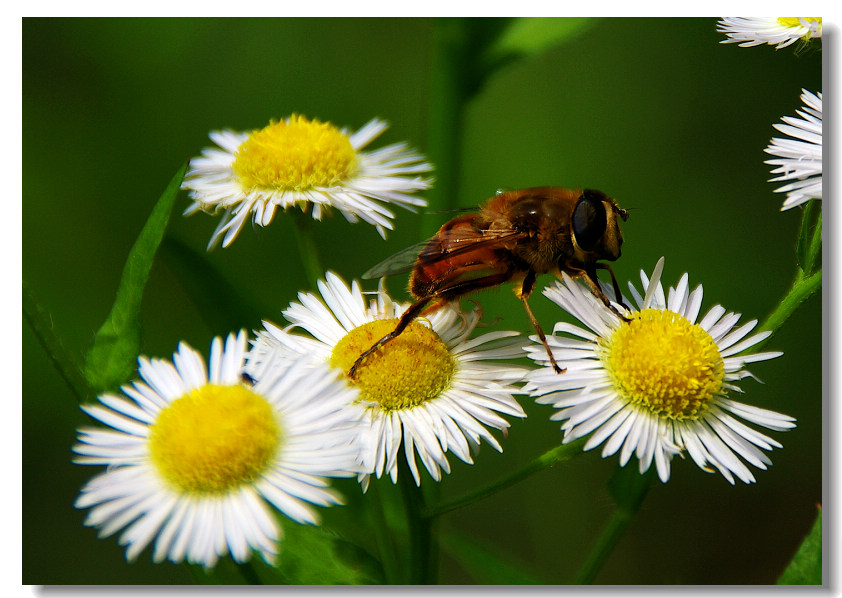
[
  {"x": 629, "y": 489},
  {"x": 803, "y": 286},
  {"x": 421, "y": 562},
  {"x": 806, "y": 282},
  {"x": 248, "y": 572},
  {"x": 307, "y": 247},
  {"x": 558, "y": 454},
  {"x": 447, "y": 98},
  {"x": 802, "y": 244},
  {"x": 809, "y": 244},
  {"x": 815, "y": 244},
  {"x": 611, "y": 534},
  {"x": 385, "y": 544}
]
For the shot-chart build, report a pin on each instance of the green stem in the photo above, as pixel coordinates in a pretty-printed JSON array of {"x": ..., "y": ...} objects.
[
  {"x": 808, "y": 246},
  {"x": 806, "y": 282},
  {"x": 559, "y": 454},
  {"x": 422, "y": 564},
  {"x": 815, "y": 244},
  {"x": 307, "y": 247},
  {"x": 803, "y": 286},
  {"x": 248, "y": 572},
  {"x": 628, "y": 488},
  {"x": 42, "y": 325},
  {"x": 802, "y": 244},
  {"x": 447, "y": 98},
  {"x": 385, "y": 544},
  {"x": 611, "y": 534}
]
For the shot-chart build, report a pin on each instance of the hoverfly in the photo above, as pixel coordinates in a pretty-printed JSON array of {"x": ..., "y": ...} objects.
[{"x": 513, "y": 237}]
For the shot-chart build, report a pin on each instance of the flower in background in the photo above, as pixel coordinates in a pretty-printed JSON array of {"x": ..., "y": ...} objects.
[
  {"x": 775, "y": 31},
  {"x": 800, "y": 154},
  {"x": 657, "y": 385},
  {"x": 306, "y": 164},
  {"x": 193, "y": 459},
  {"x": 432, "y": 389}
]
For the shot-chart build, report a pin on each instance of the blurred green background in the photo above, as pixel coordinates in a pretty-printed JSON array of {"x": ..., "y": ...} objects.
[{"x": 655, "y": 112}]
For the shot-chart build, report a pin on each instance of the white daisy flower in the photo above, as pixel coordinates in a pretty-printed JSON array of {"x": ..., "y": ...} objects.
[
  {"x": 306, "y": 164},
  {"x": 657, "y": 385},
  {"x": 775, "y": 31},
  {"x": 432, "y": 389},
  {"x": 194, "y": 458},
  {"x": 800, "y": 154}
]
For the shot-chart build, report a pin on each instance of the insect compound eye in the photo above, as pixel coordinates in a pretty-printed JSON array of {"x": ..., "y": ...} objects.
[{"x": 589, "y": 220}]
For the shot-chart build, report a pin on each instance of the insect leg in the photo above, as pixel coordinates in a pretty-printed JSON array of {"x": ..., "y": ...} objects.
[
  {"x": 618, "y": 297},
  {"x": 525, "y": 291},
  {"x": 590, "y": 278},
  {"x": 410, "y": 314},
  {"x": 593, "y": 282},
  {"x": 442, "y": 296}
]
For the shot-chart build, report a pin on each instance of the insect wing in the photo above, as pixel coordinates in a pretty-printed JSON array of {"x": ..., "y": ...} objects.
[
  {"x": 402, "y": 261},
  {"x": 463, "y": 239},
  {"x": 444, "y": 245}
]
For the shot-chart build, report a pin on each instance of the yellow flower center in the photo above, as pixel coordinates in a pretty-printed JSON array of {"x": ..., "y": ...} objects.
[
  {"x": 214, "y": 439},
  {"x": 295, "y": 156},
  {"x": 795, "y": 22},
  {"x": 413, "y": 367},
  {"x": 662, "y": 362}
]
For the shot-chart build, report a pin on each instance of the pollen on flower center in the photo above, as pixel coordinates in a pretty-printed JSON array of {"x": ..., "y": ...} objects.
[
  {"x": 214, "y": 438},
  {"x": 295, "y": 156},
  {"x": 411, "y": 368},
  {"x": 660, "y": 361},
  {"x": 796, "y": 21}
]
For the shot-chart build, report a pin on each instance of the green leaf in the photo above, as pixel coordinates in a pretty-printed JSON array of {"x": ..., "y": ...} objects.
[
  {"x": 529, "y": 36},
  {"x": 307, "y": 555},
  {"x": 112, "y": 359},
  {"x": 806, "y": 566},
  {"x": 483, "y": 565},
  {"x": 311, "y": 555}
]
